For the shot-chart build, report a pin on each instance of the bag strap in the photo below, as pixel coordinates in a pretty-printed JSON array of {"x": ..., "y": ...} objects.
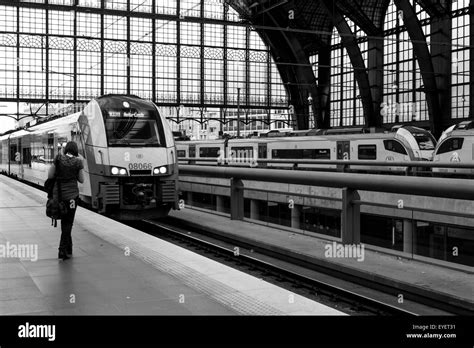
[{"x": 56, "y": 174}]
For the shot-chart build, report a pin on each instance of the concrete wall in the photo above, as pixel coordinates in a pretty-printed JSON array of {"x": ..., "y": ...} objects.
[{"x": 197, "y": 184}]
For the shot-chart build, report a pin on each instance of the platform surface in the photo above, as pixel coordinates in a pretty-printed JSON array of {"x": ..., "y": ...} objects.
[
  {"x": 118, "y": 270},
  {"x": 442, "y": 282}
]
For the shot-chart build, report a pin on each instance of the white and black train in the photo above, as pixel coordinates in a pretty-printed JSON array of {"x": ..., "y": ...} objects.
[
  {"x": 401, "y": 144},
  {"x": 456, "y": 145},
  {"x": 129, "y": 154}
]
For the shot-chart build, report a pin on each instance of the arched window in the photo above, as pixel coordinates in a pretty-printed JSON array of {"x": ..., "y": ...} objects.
[
  {"x": 403, "y": 97},
  {"x": 155, "y": 49},
  {"x": 346, "y": 104}
]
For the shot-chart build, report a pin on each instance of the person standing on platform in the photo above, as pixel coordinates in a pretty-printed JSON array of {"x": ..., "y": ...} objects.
[{"x": 70, "y": 170}]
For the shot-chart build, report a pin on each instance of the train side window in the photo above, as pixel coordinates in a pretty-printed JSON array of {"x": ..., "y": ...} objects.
[
  {"x": 451, "y": 144},
  {"x": 209, "y": 152},
  {"x": 394, "y": 146},
  {"x": 181, "y": 153},
  {"x": 367, "y": 152},
  {"x": 302, "y": 153},
  {"x": 13, "y": 151},
  {"x": 243, "y": 151},
  {"x": 287, "y": 154},
  {"x": 321, "y": 154}
]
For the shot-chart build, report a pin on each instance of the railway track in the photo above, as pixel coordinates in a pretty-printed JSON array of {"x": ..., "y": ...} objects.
[{"x": 275, "y": 270}]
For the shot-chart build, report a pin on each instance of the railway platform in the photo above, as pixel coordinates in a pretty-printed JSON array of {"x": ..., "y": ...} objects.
[
  {"x": 118, "y": 270},
  {"x": 439, "y": 283}
]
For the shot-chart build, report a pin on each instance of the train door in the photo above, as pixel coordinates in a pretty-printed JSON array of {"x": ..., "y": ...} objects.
[
  {"x": 262, "y": 153},
  {"x": 343, "y": 150},
  {"x": 192, "y": 150},
  {"x": 19, "y": 159}
]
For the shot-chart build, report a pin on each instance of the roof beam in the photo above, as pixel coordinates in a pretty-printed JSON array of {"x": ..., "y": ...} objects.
[
  {"x": 420, "y": 49},
  {"x": 360, "y": 71},
  {"x": 299, "y": 77}
]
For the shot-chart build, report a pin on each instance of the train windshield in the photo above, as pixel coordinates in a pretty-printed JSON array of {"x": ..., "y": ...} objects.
[
  {"x": 425, "y": 141},
  {"x": 131, "y": 122}
]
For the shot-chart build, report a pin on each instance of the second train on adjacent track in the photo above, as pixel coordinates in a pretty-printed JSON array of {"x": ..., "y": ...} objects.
[{"x": 401, "y": 144}]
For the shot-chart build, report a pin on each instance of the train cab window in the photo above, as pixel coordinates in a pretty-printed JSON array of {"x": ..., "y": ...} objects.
[
  {"x": 451, "y": 144},
  {"x": 394, "y": 146},
  {"x": 209, "y": 152},
  {"x": 425, "y": 141},
  {"x": 131, "y": 122},
  {"x": 367, "y": 152},
  {"x": 181, "y": 153}
]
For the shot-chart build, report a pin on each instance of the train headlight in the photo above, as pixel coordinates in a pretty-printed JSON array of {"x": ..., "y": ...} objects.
[
  {"x": 118, "y": 171},
  {"x": 160, "y": 170}
]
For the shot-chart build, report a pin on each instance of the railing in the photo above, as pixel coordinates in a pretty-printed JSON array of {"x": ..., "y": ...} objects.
[
  {"x": 365, "y": 163},
  {"x": 348, "y": 182}
]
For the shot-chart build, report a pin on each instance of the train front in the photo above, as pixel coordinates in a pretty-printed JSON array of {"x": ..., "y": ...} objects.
[{"x": 131, "y": 158}]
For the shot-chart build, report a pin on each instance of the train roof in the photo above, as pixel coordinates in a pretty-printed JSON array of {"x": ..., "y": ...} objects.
[
  {"x": 53, "y": 123},
  {"x": 72, "y": 112},
  {"x": 388, "y": 135},
  {"x": 461, "y": 132},
  {"x": 200, "y": 141}
]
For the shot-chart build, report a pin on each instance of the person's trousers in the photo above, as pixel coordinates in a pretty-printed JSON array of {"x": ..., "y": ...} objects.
[{"x": 65, "y": 244}]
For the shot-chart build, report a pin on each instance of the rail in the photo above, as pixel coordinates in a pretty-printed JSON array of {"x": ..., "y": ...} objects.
[{"x": 349, "y": 183}]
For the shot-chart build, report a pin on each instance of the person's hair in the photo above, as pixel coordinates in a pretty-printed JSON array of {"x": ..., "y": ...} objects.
[{"x": 71, "y": 147}]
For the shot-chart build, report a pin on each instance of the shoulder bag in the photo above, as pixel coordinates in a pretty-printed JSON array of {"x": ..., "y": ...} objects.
[{"x": 55, "y": 207}]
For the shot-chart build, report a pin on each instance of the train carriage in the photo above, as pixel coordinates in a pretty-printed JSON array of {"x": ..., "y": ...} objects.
[
  {"x": 129, "y": 154},
  {"x": 456, "y": 145},
  {"x": 201, "y": 149},
  {"x": 401, "y": 144}
]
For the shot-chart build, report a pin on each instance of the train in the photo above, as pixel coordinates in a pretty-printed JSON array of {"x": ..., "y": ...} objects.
[
  {"x": 128, "y": 151},
  {"x": 456, "y": 145},
  {"x": 401, "y": 144}
]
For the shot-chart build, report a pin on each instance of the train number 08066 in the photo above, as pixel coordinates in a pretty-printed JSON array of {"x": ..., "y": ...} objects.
[{"x": 139, "y": 166}]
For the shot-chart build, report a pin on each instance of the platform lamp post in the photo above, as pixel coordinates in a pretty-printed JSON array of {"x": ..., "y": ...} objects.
[
  {"x": 238, "y": 112},
  {"x": 311, "y": 123},
  {"x": 291, "y": 114}
]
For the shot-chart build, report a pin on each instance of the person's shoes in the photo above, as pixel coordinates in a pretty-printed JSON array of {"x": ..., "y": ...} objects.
[
  {"x": 69, "y": 251},
  {"x": 62, "y": 255}
]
